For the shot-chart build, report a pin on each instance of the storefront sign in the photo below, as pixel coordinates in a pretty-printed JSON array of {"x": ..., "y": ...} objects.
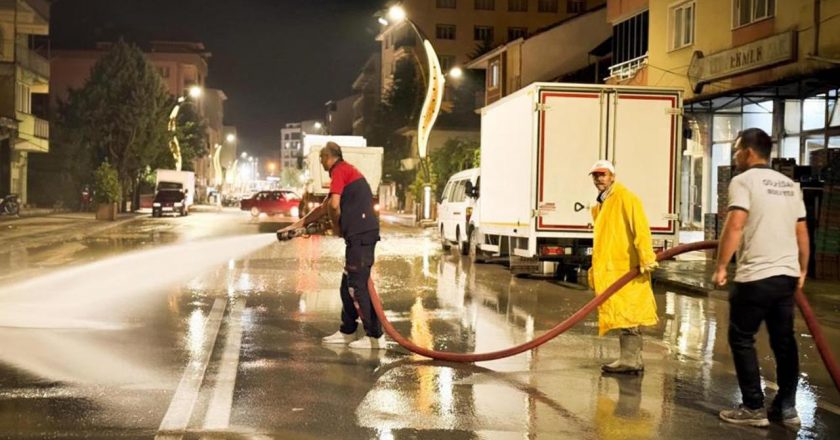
[{"x": 766, "y": 52}]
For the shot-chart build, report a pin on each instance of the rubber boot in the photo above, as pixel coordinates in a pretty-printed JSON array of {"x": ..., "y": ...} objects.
[{"x": 630, "y": 360}]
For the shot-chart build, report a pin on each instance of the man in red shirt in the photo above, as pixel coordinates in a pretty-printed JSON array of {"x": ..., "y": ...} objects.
[{"x": 350, "y": 208}]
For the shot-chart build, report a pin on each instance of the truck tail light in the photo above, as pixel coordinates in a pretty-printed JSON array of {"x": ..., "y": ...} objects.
[{"x": 552, "y": 251}]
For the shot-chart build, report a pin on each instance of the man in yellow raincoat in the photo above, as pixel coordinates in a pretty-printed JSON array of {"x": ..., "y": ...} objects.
[{"x": 622, "y": 242}]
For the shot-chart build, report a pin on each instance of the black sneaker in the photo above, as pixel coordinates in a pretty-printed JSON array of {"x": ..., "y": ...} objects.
[
  {"x": 745, "y": 416},
  {"x": 788, "y": 416}
]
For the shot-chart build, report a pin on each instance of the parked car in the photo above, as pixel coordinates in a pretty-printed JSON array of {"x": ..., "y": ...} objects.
[
  {"x": 170, "y": 198},
  {"x": 458, "y": 211},
  {"x": 282, "y": 202}
]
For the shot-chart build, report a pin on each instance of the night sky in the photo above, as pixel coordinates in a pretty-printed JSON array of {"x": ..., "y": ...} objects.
[{"x": 278, "y": 61}]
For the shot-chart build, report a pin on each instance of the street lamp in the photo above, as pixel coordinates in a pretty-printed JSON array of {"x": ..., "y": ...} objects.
[
  {"x": 193, "y": 92},
  {"x": 230, "y": 137},
  {"x": 431, "y": 104}
]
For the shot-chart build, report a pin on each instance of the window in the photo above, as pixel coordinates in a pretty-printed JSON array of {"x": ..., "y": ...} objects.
[
  {"x": 575, "y": 6},
  {"x": 446, "y": 4},
  {"x": 446, "y": 62},
  {"x": 517, "y": 32},
  {"x": 547, "y": 6},
  {"x": 518, "y": 5},
  {"x": 459, "y": 192},
  {"x": 23, "y": 98},
  {"x": 745, "y": 12},
  {"x": 483, "y": 33},
  {"x": 681, "y": 26},
  {"x": 494, "y": 74},
  {"x": 445, "y": 32},
  {"x": 630, "y": 38},
  {"x": 485, "y": 5}
]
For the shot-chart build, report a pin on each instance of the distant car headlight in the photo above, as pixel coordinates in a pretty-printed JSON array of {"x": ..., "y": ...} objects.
[
  {"x": 156, "y": 205},
  {"x": 295, "y": 211}
]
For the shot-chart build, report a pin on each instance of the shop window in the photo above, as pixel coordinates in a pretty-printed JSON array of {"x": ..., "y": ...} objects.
[
  {"x": 485, "y": 5},
  {"x": 445, "y": 32},
  {"x": 518, "y": 5},
  {"x": 547, "y": 6},
  {"x": 681, "y": 25},
  {"x": 793, "y": 116},
  {"x": 745, "y": 12},
  {"x": 446, "y": 4},
  {"x": 790, "y": 148},
  {"x": 517, "y": 32},
  {"x": 759, "y": 115},
  {"x": 483, "y": 33},
  {"x": 813, "y": 113}
]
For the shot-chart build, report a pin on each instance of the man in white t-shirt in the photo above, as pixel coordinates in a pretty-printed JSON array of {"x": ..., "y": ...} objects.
[{"x": 766, "y": 225}]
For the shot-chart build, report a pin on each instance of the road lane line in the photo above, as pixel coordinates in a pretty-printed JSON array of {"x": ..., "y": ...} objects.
[
  {"x": 180, "y": 409},
  {"x": 221, "y": 404}
]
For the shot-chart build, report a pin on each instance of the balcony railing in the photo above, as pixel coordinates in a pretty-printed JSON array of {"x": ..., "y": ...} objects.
[
  {"x": 627, "y": 69},
  {"x": 29, "y": 59},
  {"x": 42, "y": 128}
]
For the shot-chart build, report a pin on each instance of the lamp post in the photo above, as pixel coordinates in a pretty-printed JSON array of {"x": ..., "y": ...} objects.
[
  {"x": 193, "y": 92},
  {"x": 431, "y": 104}
]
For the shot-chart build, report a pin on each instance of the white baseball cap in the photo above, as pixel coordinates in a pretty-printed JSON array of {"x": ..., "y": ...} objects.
[{"x": 602, "y": 166}]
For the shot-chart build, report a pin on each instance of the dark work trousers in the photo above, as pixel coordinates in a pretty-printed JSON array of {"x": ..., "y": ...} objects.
[
  {"x": 769, "y": 300},
  {"x": 355, "y": 297}
]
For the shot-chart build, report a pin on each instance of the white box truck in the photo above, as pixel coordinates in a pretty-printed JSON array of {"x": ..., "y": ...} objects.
[
  {"x": 537, "y": 146},
  {"x": 368, "y": 160}
]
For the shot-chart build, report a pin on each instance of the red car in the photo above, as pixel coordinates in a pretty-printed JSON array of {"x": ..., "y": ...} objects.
[{"x": 280, "y": 202}]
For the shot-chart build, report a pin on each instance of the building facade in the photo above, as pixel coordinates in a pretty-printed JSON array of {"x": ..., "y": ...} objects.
[
  {"x": 339, "y": 118},
  {"x": 368, "y": 90},
  {"x": 291, "y": 141},
  {"x": 24, "y": 91},
  {"x": 564, "y": 49}
]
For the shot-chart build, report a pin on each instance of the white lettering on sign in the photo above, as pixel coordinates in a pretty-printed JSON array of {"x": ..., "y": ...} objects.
[{"x": 765, "y": 52}]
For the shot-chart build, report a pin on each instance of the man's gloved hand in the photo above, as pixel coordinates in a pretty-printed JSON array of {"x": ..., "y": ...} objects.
[{"x": 648, "y": 268}]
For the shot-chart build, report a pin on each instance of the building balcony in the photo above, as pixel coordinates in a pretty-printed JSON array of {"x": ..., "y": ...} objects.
[
  {"x": 627, "y": 69},
  {"x": 33, "y": 134},
  {"x": 26, "y": 58}
]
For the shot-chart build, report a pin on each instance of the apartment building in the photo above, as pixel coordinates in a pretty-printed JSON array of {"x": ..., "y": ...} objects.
[
  {"x": 741, "y": 63},
  {"x": 291, "y": 141},
  {"x": 24, "y": 90},
  {"x": 367, "y": 88}
]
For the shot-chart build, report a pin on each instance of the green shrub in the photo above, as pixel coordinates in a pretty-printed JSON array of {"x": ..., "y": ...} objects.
[{"x": 108, "y": 189}]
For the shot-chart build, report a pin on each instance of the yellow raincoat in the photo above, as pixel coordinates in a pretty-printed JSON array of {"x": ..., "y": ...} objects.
[{"x": 622, "y": 241}]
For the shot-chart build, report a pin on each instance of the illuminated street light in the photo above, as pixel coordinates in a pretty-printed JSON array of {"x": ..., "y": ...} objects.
[
  {"x": 383, "y": 21},
  {"x": 230, "y": 137},
  {"x": 396, "y": 13},
  {"x": 456, "y": 72},
  {"x": 318, "y": 125},
  {"x": 244, "y": 155},
  {"x": 195, "y": 92}
]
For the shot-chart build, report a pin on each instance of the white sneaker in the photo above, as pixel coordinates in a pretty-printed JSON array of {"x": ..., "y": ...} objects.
[
  {"x": 338, "y": 338},
  {"x": 370, "y": 343}
]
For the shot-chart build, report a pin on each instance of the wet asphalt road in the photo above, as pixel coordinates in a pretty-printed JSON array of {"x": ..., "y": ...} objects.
[{"x": 197, "y": 328}]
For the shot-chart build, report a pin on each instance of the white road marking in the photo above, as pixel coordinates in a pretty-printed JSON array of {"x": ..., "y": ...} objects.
[
  {"x": 218, "y": 413},
  {"x": 180, "y": 409}
]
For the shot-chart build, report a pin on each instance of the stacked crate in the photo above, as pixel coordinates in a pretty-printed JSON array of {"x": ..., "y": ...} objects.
[
  {"x": 710, "y": 229},
  {"x": 785, "y": 166},
  {"x": 724, "y": 176},
  {"x": 827, "y": 236}
]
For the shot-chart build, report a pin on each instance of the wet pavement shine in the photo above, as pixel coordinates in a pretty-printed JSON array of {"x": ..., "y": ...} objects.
[{"x": 234, "y": 351}]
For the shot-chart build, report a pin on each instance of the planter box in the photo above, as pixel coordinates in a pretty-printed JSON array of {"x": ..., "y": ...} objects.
[{"x": 106, "y": 211}]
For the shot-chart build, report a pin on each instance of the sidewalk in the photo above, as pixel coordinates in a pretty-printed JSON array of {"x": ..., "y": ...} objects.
[
  {"x": 397, "y": 218},
  {"x": 695, "y": 275}
]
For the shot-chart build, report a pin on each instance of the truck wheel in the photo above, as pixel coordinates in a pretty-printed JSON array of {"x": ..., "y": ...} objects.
[
  {"x": 443, "y": 243},
  {"x": 255, "y": 212}
]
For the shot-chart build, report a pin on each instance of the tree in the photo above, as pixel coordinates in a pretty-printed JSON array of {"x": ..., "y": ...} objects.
[
  {"x": 119, "y": 115},
  {"x": 457, "y": 154},
  {"x": 290, "y": 177}
]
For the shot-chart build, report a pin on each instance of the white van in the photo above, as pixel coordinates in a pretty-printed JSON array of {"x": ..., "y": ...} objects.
[{"x": 458, "y": 211}]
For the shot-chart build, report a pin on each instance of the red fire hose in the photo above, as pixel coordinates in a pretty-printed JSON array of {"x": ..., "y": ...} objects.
[{"x": 569, "y": 322}]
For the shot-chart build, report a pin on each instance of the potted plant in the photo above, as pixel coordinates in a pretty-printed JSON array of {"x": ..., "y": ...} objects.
[{"x": 107, "y": 192}]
